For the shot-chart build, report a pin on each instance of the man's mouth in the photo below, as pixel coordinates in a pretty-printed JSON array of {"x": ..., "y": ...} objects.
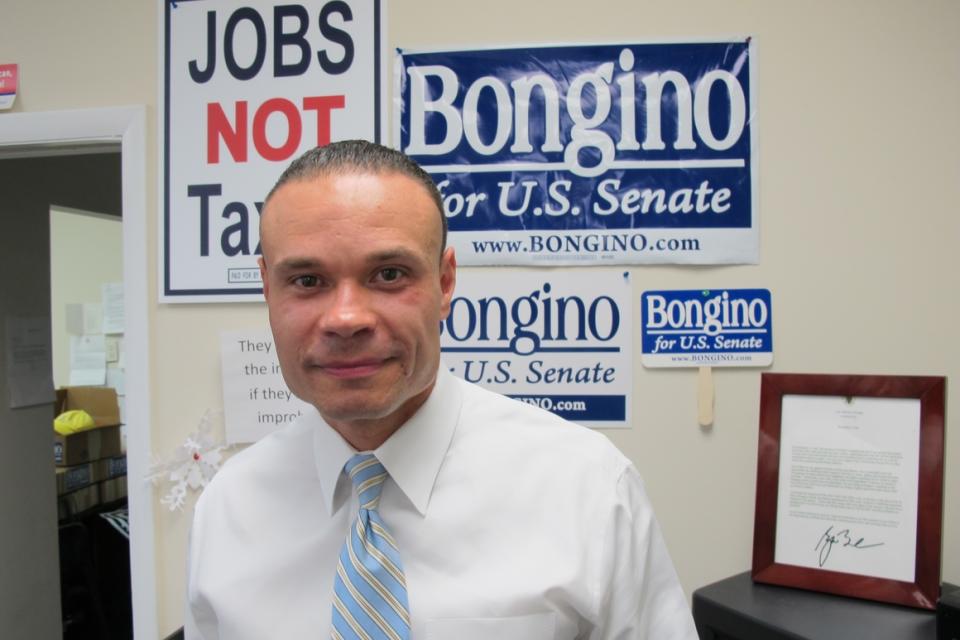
[{"x": 352, "y": 369}]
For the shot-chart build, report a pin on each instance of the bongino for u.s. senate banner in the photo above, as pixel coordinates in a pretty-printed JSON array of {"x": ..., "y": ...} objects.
[{"x": 600, "y": 154}]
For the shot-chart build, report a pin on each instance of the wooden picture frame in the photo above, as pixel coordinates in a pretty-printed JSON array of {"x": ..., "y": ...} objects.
[{"x": 923, "y": 590}]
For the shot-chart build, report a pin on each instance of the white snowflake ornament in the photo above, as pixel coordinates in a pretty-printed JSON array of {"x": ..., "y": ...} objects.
[{"x": 193, "y": 464}]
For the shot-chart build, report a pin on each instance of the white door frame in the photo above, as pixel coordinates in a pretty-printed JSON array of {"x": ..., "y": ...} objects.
[{"x": 126, "y": 125}]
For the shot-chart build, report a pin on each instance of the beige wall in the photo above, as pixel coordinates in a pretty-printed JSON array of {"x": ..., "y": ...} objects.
[
  {"x": 859, "y": 165},
  {"x": 86, "y": 251}
]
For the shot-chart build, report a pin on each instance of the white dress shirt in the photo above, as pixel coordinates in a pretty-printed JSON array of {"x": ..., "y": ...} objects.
[{"x": 511, "y": 522}]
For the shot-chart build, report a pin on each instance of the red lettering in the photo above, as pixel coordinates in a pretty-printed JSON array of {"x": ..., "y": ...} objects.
[
  {"x": 294, "y": 129},
  {"x": 219, "y": 128},
  {"x": 323, "y": 105},
  {"x": 234, "y": 134}
]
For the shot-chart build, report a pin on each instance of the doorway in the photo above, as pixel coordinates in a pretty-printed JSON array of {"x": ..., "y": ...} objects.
[{"x": 51, "y": 133}]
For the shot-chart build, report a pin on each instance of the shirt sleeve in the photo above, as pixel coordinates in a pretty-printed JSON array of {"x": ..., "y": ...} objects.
[{"x": 640, "y": 597}]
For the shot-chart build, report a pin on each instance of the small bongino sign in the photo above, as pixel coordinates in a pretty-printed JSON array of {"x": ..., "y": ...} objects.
[
  {"x": 9, "y": 75},
  {"x": 707, "y": 328}
]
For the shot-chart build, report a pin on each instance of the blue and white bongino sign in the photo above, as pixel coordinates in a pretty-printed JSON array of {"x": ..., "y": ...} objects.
[
  {"x": 707, "y": 328},
  {"x": 600, "y": 154},
  {"x": 560, "y": 340}
]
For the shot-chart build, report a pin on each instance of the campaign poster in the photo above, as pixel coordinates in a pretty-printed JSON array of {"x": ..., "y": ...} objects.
[
  {"x": 556, "y": 339},
  {"x": 635, "y": 153},
  {"x": 707, "y": 328},
  {"x": 246, "y": 88}
]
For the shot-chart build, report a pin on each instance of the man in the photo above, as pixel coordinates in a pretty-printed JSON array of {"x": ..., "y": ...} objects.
[{"x": 475, "y": 517}]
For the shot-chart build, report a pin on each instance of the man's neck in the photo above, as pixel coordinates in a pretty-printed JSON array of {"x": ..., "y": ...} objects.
[{"x": 364, "y": 437}]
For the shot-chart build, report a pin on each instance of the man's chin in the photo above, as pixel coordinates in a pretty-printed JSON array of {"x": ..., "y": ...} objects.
[
  {"x": 357, "y": 409},
  {"x": 351, "y": 414},
  {"x": 371, "y": 401}
]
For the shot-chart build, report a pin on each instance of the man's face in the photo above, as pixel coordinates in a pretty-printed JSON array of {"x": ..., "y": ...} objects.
[{"x": 356, "y": 288}]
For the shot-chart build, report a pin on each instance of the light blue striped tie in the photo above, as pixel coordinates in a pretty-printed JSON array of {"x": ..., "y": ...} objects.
[{"x": 369, "y": 591}]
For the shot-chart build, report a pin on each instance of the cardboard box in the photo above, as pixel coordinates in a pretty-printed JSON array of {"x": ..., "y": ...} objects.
[
  {"x": 77, "y": 502},
  {"x": 103, "y": 441},
  {"x": 76, "y": 477},
  {"x": 113, "y": 490},
  {"x": 92, "y": 496},
  {"x": 99, "y": 402},
  {"x": 85, "y": 446},
  {"x": 73, "y": 478},
  {"x": 111, "y": 467}
]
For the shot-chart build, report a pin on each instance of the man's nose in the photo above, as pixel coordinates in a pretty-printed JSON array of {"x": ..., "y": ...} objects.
[{"x": 350, "y": 311}]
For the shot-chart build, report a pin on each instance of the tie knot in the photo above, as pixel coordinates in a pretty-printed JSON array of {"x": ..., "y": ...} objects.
[{"x": 367, "y": 475}]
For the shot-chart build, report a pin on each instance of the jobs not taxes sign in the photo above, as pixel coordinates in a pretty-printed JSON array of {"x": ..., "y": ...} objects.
[{"x": 246, "y": 89}]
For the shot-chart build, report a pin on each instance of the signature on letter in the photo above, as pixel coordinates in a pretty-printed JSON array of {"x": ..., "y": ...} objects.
[{"x": 842, "y": 538}]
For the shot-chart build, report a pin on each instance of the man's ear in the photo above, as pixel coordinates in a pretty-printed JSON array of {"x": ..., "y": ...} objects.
[
  {"x": 448, "y": 280},
  {"x": 263, "y": 277}
]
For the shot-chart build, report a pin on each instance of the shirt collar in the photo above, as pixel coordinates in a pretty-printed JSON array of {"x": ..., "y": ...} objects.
[{"x": 412, "y": 455}]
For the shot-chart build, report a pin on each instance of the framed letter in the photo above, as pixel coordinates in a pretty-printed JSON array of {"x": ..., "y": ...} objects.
[{"x": 850, "y": 485}]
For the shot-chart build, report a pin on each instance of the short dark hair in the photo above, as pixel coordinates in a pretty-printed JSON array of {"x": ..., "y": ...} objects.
[{"x": 361, "y": 156}]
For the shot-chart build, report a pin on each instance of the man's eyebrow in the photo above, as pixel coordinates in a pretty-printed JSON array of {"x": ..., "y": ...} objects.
[
  {"x": 391, "y": 255},
  {"x": 296, "y": 263},
  {"x": 398, "y": 254}
]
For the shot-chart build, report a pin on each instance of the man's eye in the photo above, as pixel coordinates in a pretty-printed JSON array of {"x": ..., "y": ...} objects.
[
  {"x": 390, "y": 274},
  {"x": 307, "y": 282}
]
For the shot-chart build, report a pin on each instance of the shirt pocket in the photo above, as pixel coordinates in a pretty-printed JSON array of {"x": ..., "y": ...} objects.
[{"x": 537, "y": 626}]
